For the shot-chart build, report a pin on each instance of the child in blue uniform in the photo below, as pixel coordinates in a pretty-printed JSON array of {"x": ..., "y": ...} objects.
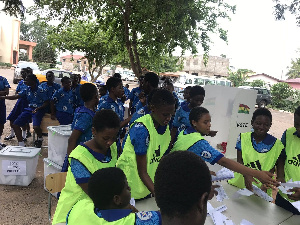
[
  {"x": 258, "y": 149},
  {"x": 50, "y": 86},
  {"x": 134, "y": 95},
  {"x": 37, "y": 104},
  {"x": 62, "y": 106},
  {"x": 75, "y": 78},
  {"x": 109, "y": 203},
  {"x": 192, "y": 140},
  {"x": 4, "y": 90}
]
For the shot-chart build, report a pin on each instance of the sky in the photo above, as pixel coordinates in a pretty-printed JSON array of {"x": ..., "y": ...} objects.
[{"x": 256, "y": 40}]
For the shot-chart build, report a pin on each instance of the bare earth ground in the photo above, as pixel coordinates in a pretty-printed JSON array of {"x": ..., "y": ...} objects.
[{"x": 29, "y": 205}]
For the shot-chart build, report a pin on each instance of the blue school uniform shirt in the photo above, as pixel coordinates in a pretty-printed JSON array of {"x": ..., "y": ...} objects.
[
  {"x": 140, "y": 137},
  {"x": 176, "y": 100},
  {"x": 261, "y": 147},
  {"x": 64, "y": 100},
  {"x": 203, "y": 149},
  {"x": 50, "y": 90},
  {"x": 83, "y": 121},
  {"x": 142, "y": 218},
  {"x": 141, "y": 112},
  {"x": 181, "y": 119},
  {"x": 126, "y": 92},
  {"x": 35, "y": 97},
  {"x": 21, "y": 86},
  {"x": 134, "y": 95},
  {"x": 116, "y": 106},
  {"x": 138, "y": 105},
  {"x": 3, "y": 84},
  {"x": 77, "y": 98}
]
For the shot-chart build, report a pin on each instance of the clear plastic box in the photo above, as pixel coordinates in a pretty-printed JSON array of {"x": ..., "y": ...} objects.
[
  {"x": 58, "y": 143},
  {"x": 49, "y": 168},
  {"x": 18, "y": 165}
]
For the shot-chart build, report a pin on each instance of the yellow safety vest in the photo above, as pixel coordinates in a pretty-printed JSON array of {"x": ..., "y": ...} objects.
[
  {"x": 185, "y": 141},
  {"x": 292, "y": 162},
  {"x": 255, "y": 160},
  {"x": 82, "y": 213},
  {"x": 158, "y": 145},
  {"x": 72, "y": 192}
]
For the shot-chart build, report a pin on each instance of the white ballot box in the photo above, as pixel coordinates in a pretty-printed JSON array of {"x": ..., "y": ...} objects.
[
  {"x": 58, "y": 143},
  {"x": 49, "y": 168},
  {"x": 18, "y": 165},
  {"x": 231, "y": 111}
]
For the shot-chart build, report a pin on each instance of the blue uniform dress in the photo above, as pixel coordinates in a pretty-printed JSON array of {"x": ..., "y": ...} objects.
[
  {"x": 3, "y": 84},
  {"x": 126, "y": 92},
  {"x": 77, "y": 98},
  {"x": 181, "y": 120},
  {"x": 50, "y": 90},
  {"x": 64, "y": 104},
  {"x": 21, "y": 103},
  {"x": 134, "y": 98},
  {"x": 35, "y": 98}
]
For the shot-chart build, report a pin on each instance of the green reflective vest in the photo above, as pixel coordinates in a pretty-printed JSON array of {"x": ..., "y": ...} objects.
[
  {"x": 158, "y": 145},
  {"x": 185, "y": 141},
  {"x": 292, "y": 162},
  {"x": 72, "y": 192},
  {"x": 255, "y": 160},
  {"x": 83, "y": 213}
]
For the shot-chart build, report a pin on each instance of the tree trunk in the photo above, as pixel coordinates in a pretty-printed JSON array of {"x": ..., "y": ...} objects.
[{"x": 136, "y": 54}]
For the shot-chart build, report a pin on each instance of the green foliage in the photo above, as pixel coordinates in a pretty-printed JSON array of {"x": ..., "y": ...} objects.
[
  {"x": 149, "y": 27},
  {"x": 280, "y": 93},
  {"x": 282, "y": 7},
  {"x": 239, "y": 77},
  {"x": 23, "y": 56},
  {"x": 257, "y": 83},
  {"x": 45, "y": 66},
  {"x": 294, "y": 70},
  {"x": 8, "y": 65}
]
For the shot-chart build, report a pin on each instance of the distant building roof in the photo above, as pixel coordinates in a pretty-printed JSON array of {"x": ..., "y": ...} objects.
[
  {"x": 266, "y": 75},
  {"x": 74, "y": 57},
  {"x": 296, "y": 80}
]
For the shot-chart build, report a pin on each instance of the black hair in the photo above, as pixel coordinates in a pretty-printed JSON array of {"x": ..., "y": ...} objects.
[
  {"x": 103, "y": 87},
  {"x": 31, "y": 77},
  {"x": 180, "y": 180},
  {"x": 29, "y": 70},
  {"x": 152, "y": 79},
  {"x": 64, "y": 79},
  {"x": 196, "y": 113},
  {"x": 106, "y": 118},
  {"x": 162, "y": 97},
  {"x": 50, "y": 72},
  {"x": 189, "y": 88},
  {"x": 117, "y": 75},
  {"x": 88, "y": 91},
  {"x": 261, "y": 112},
  {"x": 297, "y": 111},
  {"x": 197, "y": 90},
  {"x": 150, "y": 95},
  {"x": 113, "y": 82},
  {"x": 104, "y": 184}
]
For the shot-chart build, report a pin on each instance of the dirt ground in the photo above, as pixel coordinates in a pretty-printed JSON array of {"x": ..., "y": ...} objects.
[{"x": 29, "y": 205}]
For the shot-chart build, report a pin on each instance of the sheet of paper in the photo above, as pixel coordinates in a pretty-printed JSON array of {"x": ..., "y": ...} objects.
[
  {"x": 223, "y": 174},
  {"x": 261, "y": 193},
  {"x": 221, "y": 193},
  {"x": 296, "y": 205},
  {"x": 246, "y": 222},
  {"x": 242, "y": 192},
  {"x": 291, "y": 184},
  {"x": 228, "y": 222},
  {"x": 285, "y": 189}
]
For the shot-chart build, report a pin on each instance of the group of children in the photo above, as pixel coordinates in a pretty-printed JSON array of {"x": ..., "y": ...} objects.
[
  {"x": 34, "y": 100},
  {"x": 161, "y": 130}
]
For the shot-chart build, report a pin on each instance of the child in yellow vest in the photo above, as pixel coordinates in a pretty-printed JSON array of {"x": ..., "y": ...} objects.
[
  {"x": 191, "y": 139},
  {"x": 86, "y": 158},
  {"x": 258, "y": 149},
  {"x": 147, "y": 141},
  {"x": 109, "y": 202},
  {"x": 289, "y": 164}
]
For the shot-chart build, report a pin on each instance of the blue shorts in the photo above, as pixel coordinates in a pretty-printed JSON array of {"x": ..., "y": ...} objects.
[
  {"x": 64, "y": 118},
  {"x": 19, "y": 107},
  {"x": 2, "y": 112},
  {"x": 26, "y": 116}
]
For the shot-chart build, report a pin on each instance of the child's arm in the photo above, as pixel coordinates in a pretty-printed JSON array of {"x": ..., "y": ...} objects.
[
  {"x": 141, "y": 161},
  {"x": 125, "y": 122},
  {"x": 46, "y": 103},
  {"x": 280, "y": 168},
  {"x": 5, "y": 92},
  {"x": 11, "y": 97},
  {"x": 295, "y": 196},
  {"x": 264, "y": 176},
  {"x": 52, "y": 107},
  {"x": 73, "y": 140}
]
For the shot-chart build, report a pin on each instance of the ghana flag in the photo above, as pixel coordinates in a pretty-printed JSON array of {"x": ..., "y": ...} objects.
[{"x": 244, "y": 109}]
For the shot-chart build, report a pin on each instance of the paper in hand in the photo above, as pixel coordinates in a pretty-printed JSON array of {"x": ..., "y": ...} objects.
[{"x": 222, "y": 174}]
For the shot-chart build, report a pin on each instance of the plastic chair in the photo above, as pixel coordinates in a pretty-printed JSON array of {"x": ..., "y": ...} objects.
[{"x": 54, "y": 182}]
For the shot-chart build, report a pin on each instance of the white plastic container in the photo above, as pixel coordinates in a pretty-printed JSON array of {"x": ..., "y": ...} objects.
[
  {"x": 49, "y": 168},
  {"x": 58, "y": 143},
  {"x": 18, "y": 165}
]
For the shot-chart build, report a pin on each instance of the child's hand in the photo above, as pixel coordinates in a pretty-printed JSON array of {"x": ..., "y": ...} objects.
[
  {"x": 35, "y": 110},
  {"x": 266, "y": 178},
  {"x": 213, "y": 173},
  {"x": 248, "y": 182},
  {"x": 213, "y": 191},
  {"x": 212, "y": 133},
  {"x": 53, "y": 117},
  {"x": 295, "y": 196},
  {"x": 280, "y": 179}
]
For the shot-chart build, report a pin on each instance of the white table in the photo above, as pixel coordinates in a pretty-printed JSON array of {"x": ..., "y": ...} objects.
[
  {"x": 253, "y": 209},
  {"x": 293, "y": 220}
]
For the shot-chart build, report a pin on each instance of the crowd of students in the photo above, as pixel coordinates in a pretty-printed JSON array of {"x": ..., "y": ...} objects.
[{"x": 158, "y": 150}]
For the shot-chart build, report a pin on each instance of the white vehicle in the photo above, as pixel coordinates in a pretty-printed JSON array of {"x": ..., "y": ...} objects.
[
  {"x": 128, "y": 76},
  {"x": 23, "y": 64}
]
